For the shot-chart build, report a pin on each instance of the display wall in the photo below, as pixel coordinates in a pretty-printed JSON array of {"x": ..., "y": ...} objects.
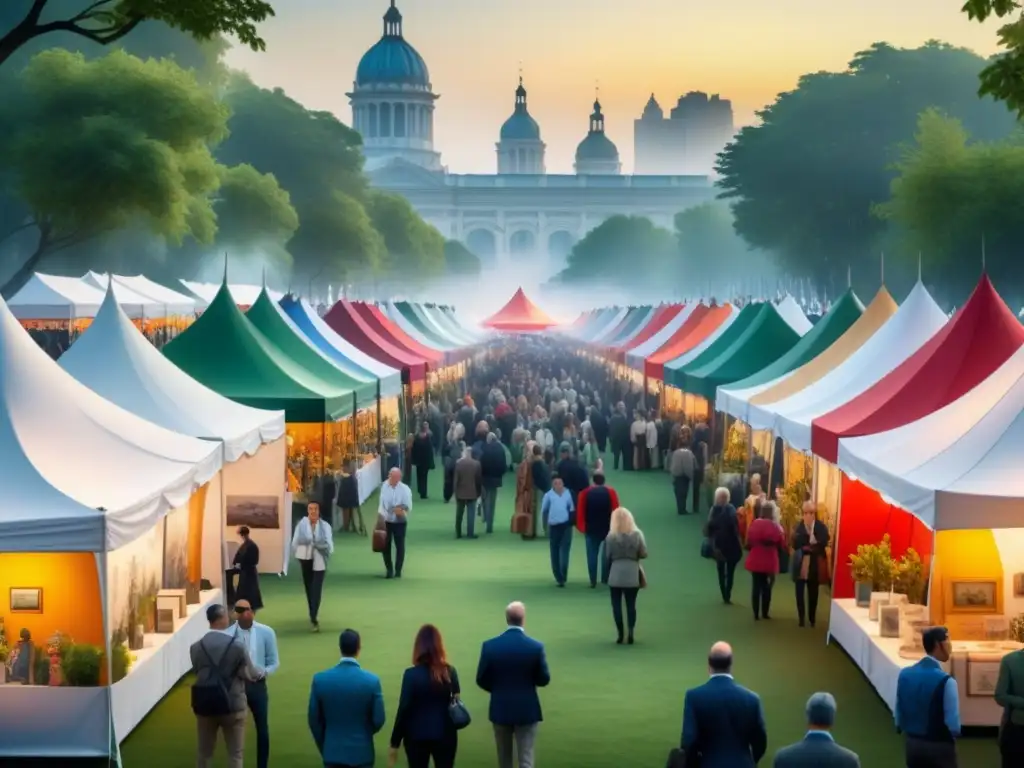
[
  {"x": 212, "y": 558},
  {"x": 71, "y": 601},
  {"x": 314, "y": 449},
  {"x": 254, "y": 495},
  {"x": 135, "y": 574}
]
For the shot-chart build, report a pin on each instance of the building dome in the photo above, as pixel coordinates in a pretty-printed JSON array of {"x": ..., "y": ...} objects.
[
  {"x": 597, "y": 154},
  {"x": 597, "y": 146},
  {"x": 392, "y": 60},
  {"x": 520, "y": 126}
]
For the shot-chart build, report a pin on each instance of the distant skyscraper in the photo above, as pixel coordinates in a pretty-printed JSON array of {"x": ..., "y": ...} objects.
[{"x": 687, "y": 142}]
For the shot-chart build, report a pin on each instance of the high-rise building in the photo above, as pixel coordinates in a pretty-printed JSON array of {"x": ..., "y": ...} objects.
[{"x": 688, "y": 141}]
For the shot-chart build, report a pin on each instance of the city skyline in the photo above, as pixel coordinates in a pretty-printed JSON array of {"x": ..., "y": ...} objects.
[{"x": 567, "y": 53}]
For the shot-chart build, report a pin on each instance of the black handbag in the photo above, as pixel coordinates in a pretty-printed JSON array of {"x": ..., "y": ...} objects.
[{"x": 458, "y": 713}]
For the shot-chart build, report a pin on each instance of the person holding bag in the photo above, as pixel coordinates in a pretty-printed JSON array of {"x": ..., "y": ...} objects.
[
  {"x": 722, "y": 534},
  {"x": 625, "y": 547},
  {"x": 809, "y": 564},
  {"x": 312, "y": 546},
  {"x": 430, "y": 712},
  {"x": 764, "y": 541},
  {"x": 393, "y": 511}
]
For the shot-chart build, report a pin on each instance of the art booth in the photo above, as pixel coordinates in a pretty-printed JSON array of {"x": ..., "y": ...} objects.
[
  {"x": 941, "y": 501},
  {"x": 105, "y": 522}
]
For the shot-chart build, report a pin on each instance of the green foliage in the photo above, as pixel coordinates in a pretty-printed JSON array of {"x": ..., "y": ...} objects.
[
  {"x": 412, "y": 246},
  {"x": 804, "y": 181},
  {"x": 1002, "y": 79},
  {"x": 103, "y": 22},
  {"x": 81, "y": 664},
  {"x": 909, "y": 577},
  {"x": 121, "y": 660},
  {"x": 252, "y": 207},
  {"x": 950, "y": 195},
  {"x": 459, "y": 260},
  {"x": 650, "y": 252},
  {"x": 873, "y": 564},
  {"x": 710, "y": 250},
  {"x": 336, "y": 239}
]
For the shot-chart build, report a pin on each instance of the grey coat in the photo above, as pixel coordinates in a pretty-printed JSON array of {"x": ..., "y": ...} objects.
[
  {"x": 816, "y": 751},
  {"x": 624, "y": 552}
]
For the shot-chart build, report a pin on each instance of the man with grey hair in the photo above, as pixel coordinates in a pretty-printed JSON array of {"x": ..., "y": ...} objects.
[
  {"x": 818, "y": 749},
  {"x": 468, "y": 483}
]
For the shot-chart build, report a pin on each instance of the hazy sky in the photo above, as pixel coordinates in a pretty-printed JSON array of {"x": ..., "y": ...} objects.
[{"x": 746, "y": 50}]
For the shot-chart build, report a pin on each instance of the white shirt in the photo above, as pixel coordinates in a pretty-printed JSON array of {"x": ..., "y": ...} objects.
[
  {"x": 302, "y": 542},
  {"x": 394, "y": 496}
]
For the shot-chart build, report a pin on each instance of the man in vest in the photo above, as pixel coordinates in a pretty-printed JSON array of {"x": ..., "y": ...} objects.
[{"x": 928, "y": 706}]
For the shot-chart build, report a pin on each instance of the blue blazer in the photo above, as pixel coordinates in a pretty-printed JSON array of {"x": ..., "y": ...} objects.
[
  {"x": 346, "y": 709},
  {"x": 723, "y": 723},
  {"x": 423, "y": 707},
  {"x": 512, "y": 667}
]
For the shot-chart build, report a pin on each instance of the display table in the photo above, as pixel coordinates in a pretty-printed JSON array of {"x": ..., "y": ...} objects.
[
  {"x": 368, "y": 479},
  {"x": 160, "y": 663},
  {"x": 879, "y": 660}
]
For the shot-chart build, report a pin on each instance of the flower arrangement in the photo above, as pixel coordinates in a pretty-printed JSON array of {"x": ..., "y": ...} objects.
[
  {"x": 791, "y": 500},
  {"x": 5, "y": 652},
  {"x": 873, "y": 564},
  {"x": 734, "y": 457},
  {"x": 908, "y": 576}
]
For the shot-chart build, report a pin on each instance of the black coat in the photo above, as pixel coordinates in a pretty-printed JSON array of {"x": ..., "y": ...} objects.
[
  {"x": 493, "y": 465},
  {"x": 348, "y": 492},
  {"x": 724, "y": 532},
  {"x": 423, "y": 707},
  {"x": 246, "y": 559},
  {"x": 618, "y": 429},
  {"x": 422, "y": 452}
]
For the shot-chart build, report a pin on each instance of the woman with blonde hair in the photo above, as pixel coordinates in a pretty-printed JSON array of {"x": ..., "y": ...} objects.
[
  {"x": 749, "y": 514},
  {"x": 625, "y": 547}
]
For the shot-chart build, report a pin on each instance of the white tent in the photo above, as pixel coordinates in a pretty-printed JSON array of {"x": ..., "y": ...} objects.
[
  {"x": 392, "y": 313},
  {"x": 794, "y": 316},
  {"x": 81, "y": 473},
  {"x": 134, "y": 304},
  {"x": 957, "y": 468},
  {"x": 692, "y": 354},
  {"x": 916, "y": 321},
  {"x": 50, "y": 297},
  {"x": 171, "y": 302},
  {"x": 244, "y": 295},
  {"x": 637, "y": 329},
  {"x": 604, "y": 327},
  {"x": 636, "y": 357}
]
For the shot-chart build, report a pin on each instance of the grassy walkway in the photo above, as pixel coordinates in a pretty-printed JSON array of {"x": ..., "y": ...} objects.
[{"x": 607, "y": 705}]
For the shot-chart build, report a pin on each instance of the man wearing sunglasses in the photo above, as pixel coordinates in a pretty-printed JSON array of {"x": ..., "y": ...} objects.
[{"x": 261, "y": 644}]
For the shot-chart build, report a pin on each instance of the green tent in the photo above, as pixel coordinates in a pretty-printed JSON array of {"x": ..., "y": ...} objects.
[
  {"x": 429, "y": 335},
  {"x": 675, "y": 373},
  {"x": 270, "y": 320},
  {"x": 766, "y": 339},
  {"x": 224, "y": 351},
  {"x": 844, "y": 313}
]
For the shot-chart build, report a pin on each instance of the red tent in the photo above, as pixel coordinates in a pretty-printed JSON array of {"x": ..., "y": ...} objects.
[
  {"x": 662, "y": 317},
  {"x": 376, "y": 320},
  {"x": 348, "y": 324},
  {"x": 982, "y": 335},
  {"x": 519, "y": 315}
]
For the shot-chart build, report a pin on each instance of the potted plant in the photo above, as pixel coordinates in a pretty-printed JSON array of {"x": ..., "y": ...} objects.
[
  {"x": 872, "y": 568},
  {"x": 732, "y": 474},
  {"x": 82, "y": 665},
  {"x": 121, "y": 660},
  {"x": 791, "y": 504},
  {"x": 5, "y": 654},
  {"x": 909, "y": 578}
]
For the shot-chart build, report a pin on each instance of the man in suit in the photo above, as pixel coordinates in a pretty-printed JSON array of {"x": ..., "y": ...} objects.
[
  {"x": 818, "y": 749},
  {"x": 512, "y": 667},
  {"x": 346, "y": 709},
  {"x": 1010, "y": 696},
  {"x": 928, "y": 705},
  {"x": 468, "y": 484},
  {"x": 220, "y": 660},
  {"x": 494, "y": 464},
  {"x": 723, "y": 723}
]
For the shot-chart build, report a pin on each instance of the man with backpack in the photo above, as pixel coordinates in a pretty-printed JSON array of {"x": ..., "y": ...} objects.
[{"x": 222, "y": 667}]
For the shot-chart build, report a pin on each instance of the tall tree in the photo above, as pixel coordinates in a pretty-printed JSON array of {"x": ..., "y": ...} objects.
[
  {"x": 105, "y": 22},
  {"x": 414, "y": 248},
  {"x": 1002, "y": 79},
  {"x": 622, "y": 250},
  {"x": 952, "y": 196},
  {"x": 803, "y": 182},
  {"x": 459, "y": 261}
]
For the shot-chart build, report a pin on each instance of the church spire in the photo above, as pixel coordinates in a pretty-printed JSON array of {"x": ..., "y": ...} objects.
[
  {"x": 597, "y": 118},
  {"x": 521, "y": 93},
  {"x": 393, "y": 21}
]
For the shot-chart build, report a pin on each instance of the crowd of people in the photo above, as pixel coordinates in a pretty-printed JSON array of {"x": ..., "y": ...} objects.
[{"x": 546, "y": 421}]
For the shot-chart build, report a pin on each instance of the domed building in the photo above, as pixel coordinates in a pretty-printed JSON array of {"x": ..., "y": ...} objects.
[
  {"x": 393, "y": 100},
  {"x": 520, "y": 149},
  {"x": 597, "y": 155}
]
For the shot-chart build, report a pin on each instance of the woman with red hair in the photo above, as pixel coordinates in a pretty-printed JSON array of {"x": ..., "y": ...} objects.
[{"x": 424, "y": 721}]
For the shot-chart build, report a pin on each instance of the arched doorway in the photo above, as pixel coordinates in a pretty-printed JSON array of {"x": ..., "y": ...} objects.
[
  {"x": 483, "y": 243},
  {"x": 522, "y": 243},
  {"x": 560, "y": 243}
]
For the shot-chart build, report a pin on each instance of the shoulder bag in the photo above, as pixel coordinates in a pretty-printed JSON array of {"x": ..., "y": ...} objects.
[
  {"x": 643, "y": 576},
  {"x": 458, "y": 713},
  {"x": 212, "y": 698},
  {"x": 379, "y": 541}
]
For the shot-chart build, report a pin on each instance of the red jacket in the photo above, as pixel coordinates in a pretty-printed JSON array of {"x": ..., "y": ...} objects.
[
  {"x": 765, "y": 539},
  {"x": 581, "y": 505}
]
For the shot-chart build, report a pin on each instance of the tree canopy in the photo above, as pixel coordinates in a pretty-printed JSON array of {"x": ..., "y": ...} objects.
[
  {"x": 459, "y": 261},
  {"x": 621, "y": 250},
  {"x": 952, "y": 198},
  {"x": 803, "y": 182},
  {"x": 1001, "y": 78},
  {"x": 104, "y": 22}
]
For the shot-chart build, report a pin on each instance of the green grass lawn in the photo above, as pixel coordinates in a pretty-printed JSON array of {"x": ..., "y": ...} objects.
[{"x": 607, "y": 705}]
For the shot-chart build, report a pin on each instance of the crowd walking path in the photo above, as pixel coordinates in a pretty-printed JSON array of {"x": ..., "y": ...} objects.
[{"x": 608, "y": 705}]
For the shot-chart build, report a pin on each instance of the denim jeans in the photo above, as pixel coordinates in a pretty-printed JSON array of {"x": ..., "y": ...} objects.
[
  {"x": 594, "y": 551},
  {"x": 462, "y": 507},
  {"x": 560, "y": 541}
]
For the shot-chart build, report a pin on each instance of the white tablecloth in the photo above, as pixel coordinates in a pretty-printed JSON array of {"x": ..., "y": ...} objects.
[
  {"x": 368, "y": 479},
  {"x": 161, "y": 663}
]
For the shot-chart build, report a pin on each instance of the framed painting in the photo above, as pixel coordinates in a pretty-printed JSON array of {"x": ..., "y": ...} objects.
[
  {"x": 966, "y": 595},
  {"x": 26, "y": 599},
  {"x": 982, "y": 677}
]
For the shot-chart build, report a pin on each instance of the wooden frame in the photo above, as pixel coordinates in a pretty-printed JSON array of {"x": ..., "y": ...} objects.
[
  {"x": 953, "y": 585},
  {"x": 1018, "y": 585},
  {"x": 21, "y": 595}
]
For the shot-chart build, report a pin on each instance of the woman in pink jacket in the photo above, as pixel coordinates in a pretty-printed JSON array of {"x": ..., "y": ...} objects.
[{"x": 764, "y": 540}]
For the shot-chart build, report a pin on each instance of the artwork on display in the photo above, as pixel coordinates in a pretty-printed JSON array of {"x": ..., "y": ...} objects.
[
  {"x": 878, "y": 599},
  {"x": 175, "y": 555},
  {"x": 982, "y": 677},
  {"x": 26, "y": 599},
  {"x": 1018, "y": 585},
  {"x": 997, "y": 628},
  {"x": 253, "y": 511},
  {"x": 972, "y": 596},
  {"x": 134, "y": 576},
  {"x": 889, "y": 620}
]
